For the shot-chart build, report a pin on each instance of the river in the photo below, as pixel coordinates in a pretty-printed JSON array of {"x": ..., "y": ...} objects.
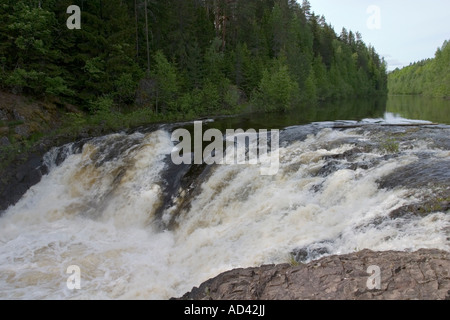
[{"x": 139, "y": 227}]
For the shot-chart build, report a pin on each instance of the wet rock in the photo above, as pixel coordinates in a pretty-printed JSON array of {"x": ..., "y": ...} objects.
[
  {"x": 349, "y": 155},
  {"x": 333, "y": 166},
  {"x": 24, "y": 172},
  {"x": 436, "y": 136},
  {"x": 180, "y": 186},
  {"x": 437, "y": 201},
  {"x": 419, "y": 174},
  {"x": 309, "y": 253},
  {"x": 421, "y": 210},
  {"x": 420, "y": 275},
  {"x": 4, "y": 141},
  {"x": 25, "y": 176}
]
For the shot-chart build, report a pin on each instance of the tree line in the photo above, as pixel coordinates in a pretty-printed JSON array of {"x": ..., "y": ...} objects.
[
  {"x": 183, "y": 57},
  {"x": 430, "y": 77}
]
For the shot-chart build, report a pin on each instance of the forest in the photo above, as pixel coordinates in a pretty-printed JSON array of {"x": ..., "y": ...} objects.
[
  {"x": 430, "y": 77},
  {"x": 183, "y": 58}
]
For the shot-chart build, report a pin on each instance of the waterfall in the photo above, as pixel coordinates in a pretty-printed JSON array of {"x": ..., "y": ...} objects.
[{"x": 140, "y": 227}]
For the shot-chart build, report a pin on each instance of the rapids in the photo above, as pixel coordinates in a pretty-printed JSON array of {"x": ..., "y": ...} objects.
[{"x": 140, "y": 227}]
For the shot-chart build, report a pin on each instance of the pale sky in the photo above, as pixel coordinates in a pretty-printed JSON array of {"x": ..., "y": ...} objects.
[{"x": 402, "y": 31}]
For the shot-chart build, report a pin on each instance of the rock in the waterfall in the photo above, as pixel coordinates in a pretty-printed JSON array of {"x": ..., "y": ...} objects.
[{"x": 422, "y": 275}]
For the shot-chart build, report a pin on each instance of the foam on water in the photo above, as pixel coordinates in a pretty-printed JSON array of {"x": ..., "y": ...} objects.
[{"x": 98, "y": 210}]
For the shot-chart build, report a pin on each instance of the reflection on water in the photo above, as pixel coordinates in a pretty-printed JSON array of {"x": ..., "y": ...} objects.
[
  {"x": 391, "y": 109},
  {"x": 419, "y": 108},
  {"x": 356, "y": 109}
]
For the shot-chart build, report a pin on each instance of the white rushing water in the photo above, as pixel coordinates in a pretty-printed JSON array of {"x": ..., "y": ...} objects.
[{"x": 97, "y": 210}]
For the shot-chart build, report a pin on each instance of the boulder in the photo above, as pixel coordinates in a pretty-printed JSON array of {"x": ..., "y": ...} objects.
[
  {"x": 421, "y": 275},
  {"x": 4, "y": 141}
]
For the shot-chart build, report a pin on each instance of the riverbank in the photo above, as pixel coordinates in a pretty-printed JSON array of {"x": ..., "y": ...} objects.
[
  {"x": 30, "y": 127},
  {"x": 420, "y": 275}
]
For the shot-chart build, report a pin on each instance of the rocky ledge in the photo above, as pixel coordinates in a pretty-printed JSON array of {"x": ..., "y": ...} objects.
[{"x": 422, "y": 275}]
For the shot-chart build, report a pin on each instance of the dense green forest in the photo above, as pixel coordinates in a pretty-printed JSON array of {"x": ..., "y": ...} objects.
[
  {"x": 182, "y": 57},
  {"x": 429, "y": 77}
]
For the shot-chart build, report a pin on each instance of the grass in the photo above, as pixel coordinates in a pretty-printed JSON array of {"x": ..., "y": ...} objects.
[
  {"x": 15, "y": 123},
  {"x": 292, "y": 261},
  {"x": 390, "y": 145}
]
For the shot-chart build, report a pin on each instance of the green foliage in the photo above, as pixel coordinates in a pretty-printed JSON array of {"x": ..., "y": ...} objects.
[
  {"x": 189, "y": 103},
  {"x": 292, "y": 261},
  {"x": 321, "y": 79},
  {"x": 209, "y": 98},
  {"x": 430, "y": 77},
  {"x": 310, "y": 91},
  {"x": 20, "y": 79},
  {"x": 390, "y": 145},
  {"x": 102, "y": 105},
  {"x": 125, "y": 88},
  {"x": 277, "y": 90},
  {"x": 57, "y": 86},
  {"x": 165, "y": 75},
  {"x": 206, "y": 57},
  {"x": 232, "y": 98}
]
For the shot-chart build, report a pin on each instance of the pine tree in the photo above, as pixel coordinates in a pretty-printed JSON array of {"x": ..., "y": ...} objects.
[
  {"x": 166, "y": 89},
  {"x": 427, "y": 77},
  {"x": 192, "y": 56},
  {"x": 277, "y": 90}
]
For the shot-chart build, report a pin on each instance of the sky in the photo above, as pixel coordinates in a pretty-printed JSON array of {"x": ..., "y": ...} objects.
[{"x": 402, "y": 31}]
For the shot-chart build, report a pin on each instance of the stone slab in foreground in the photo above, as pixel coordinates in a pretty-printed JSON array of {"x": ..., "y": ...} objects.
[{"x": 423, "y": 275}]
